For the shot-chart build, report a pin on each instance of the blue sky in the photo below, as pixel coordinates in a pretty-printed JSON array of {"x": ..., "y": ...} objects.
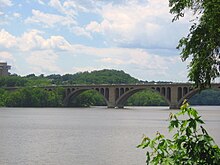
[{"x": 69, "y": 36}]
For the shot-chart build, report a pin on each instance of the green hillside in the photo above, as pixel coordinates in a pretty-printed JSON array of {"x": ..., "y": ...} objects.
[{"x": 95, "y": 77}]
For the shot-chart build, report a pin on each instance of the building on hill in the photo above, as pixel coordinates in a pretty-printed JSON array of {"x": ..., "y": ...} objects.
[{"x": 4, "y": 69}]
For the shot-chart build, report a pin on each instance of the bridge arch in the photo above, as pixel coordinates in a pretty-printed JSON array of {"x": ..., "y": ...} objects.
[
  {"x": 74, "y": 92},
  {"x": 162, "y": 91},
  {"x": 192, "y": 92}
]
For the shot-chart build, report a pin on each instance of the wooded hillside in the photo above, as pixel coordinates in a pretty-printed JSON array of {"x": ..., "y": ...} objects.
[{"x": 38, "y": 97}]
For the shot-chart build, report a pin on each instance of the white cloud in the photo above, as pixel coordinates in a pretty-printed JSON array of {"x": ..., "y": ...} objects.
[
  {"x": 81, "y": 32},
  {"x": 72, "y": 10},
  {"x": 111, "y": 61},
  {"x": 81, "y": 5},
  {"x": 50, "y": 20},
  {"x": 142, "y": 59},
  {"x": 33, "y": 40},
  {"x": 16, "y": 15},
  {"x": 39, "y": 53},
  {"x": 5, "y": 3},
  {"x": 138, "y": 25},
  {"x": 43, "y": 61},
  {"x": 6, "y": 56},
  {"x": 6, "y": 39},
  {"x": 67, "y": 21},
  {"x": 94, "y": 27},
  {"x": 125, "y": 23},
  {"x": 67, "y": 8},
  {"x": 41, "y": 2},
  {"x": 57, "y": 5},
  {"x": 43, "y": 55},
  {"x": 139, "y": 62},
  {"x": 58, "y": 42},
  {"x": 85, "y": 69}
]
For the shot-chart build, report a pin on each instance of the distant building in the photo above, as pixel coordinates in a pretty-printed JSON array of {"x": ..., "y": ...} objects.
[{"x": 4, "y": 69}]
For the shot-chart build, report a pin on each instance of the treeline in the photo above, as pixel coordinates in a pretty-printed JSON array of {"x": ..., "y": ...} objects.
[
  {"x": 206, "y": 97},
  {"x": 31, "y": 97},
  {"x": 146, "y": 98},
  {"x": 37, "y": 97},
  {"x": 95, "y": 77},
  {"x": 88, "y": 98},
  {"x": 25, "y": 81}
]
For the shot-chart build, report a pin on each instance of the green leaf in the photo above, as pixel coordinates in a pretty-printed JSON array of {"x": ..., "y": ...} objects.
[
  {"x": 188, "y": 145},
  {"x": 199, "y": 120},
  {"x": 192, "y": 124}
]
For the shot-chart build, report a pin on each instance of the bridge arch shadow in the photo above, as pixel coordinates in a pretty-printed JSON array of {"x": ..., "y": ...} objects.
[
  {"x": 195, "y": 92},
  {"x": 72, "y": 94},
  {"x": 206, "y": 97},
  {"x": 163, "y": 92}
]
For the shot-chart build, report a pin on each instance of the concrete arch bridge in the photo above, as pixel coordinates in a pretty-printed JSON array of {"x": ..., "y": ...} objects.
[{"x": 116, "y": 95}]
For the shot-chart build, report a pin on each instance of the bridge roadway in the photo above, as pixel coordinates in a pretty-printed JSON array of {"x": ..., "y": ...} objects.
[{"x": 116, "y": 95}]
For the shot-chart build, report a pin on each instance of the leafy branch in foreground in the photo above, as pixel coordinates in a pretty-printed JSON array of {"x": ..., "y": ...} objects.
[
  {"x": 203, "y": 41},
  {"x": 191, "y": 144}
]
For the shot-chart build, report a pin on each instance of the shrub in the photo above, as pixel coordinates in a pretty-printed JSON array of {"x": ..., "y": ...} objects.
[{"x": 191, "y": 144}]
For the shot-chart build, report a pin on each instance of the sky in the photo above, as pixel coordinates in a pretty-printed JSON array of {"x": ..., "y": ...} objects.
[{"x": 70, "y": 36}]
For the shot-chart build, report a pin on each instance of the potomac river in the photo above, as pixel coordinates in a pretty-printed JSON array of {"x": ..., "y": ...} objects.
[{"x": 85, "y": 136}]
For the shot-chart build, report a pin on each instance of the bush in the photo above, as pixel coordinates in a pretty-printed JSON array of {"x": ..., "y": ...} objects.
[{"x": 191, "y": 144}]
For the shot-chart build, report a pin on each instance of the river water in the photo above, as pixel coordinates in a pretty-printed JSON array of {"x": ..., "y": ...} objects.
[{"x": 85, "y": 136}]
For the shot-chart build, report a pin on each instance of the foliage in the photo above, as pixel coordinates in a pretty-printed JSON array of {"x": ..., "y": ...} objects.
[
  {"x": 206, "y": 97},
  {"x": 37, "y": 81},
  {"x": 12, "y": 81},
  {"x": 146, "y": 98},
  {"x": 88, "y": 98},
  {"x": 3, "y": 97},
  {"x": 203, "y": 40},
  {"x": 31, "y": 97},
  {"x": 191, "y": 144},
  {"x": 95, "y": 77},
  {"x": 18, "y": 81}
]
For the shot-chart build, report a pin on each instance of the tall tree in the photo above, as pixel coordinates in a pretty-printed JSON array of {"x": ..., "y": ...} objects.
[{"x": 203, "y": 40}]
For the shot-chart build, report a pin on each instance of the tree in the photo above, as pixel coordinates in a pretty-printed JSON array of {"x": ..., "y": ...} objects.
[
  {"x": 3, "y": 97},
  {"x": 191, "y": 144},
  {"x": 203, "y": 40},
  {"x": 32, "y": 97},
  {"x": 88, "y": 98},
  {"x": 146, "y": 98}
]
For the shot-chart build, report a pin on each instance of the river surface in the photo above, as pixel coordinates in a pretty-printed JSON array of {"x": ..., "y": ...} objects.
[{"x": 85, "y": 136}]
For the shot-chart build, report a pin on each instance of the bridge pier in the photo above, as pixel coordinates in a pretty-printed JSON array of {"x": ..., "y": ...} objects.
[
  {"x": 120, "y": 106},
  {"x": 111, "y": 103},
  {"x": 174, "y": 106}
]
